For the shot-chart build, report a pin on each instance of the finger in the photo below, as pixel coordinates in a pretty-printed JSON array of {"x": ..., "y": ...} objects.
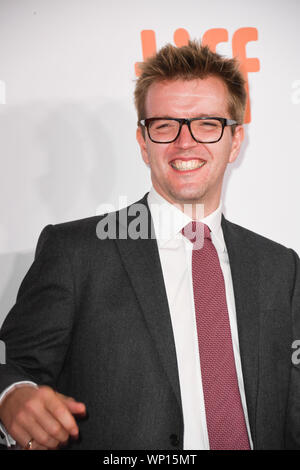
[
  {"x": 19, "y": 435},
  {"x": 35, "y": 431},
  {"x": 61, "y": 413},
  {"x": 36, "y": 446},
  {"x": 33, "y": 446},
  {"x": 22, "y": 439},
  {"x": 52, "y": 427},
  {"x": 75, "y": 407}
]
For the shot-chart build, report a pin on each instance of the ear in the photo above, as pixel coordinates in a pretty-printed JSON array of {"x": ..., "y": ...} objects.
[
  {"x": 142, "y": 143},
  {"x": 237, "y": 140}
]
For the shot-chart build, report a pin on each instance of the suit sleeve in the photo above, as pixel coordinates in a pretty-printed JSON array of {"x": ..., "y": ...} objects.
[
  {"x": 37, "y": 331},
  {"x": 293, "y": 419}
]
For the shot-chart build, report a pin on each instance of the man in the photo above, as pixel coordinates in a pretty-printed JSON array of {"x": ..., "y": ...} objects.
[{"x": 163, "y": 342}]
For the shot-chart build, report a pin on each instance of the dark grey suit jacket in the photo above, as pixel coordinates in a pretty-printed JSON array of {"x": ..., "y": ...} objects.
[{"x": 92, "y": 321}]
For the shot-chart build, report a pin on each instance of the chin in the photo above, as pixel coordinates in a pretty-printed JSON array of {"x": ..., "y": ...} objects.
[{"x": 188, "y": 197}]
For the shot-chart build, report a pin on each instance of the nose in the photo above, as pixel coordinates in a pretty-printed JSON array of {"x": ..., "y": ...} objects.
[{"x": 185, "y": 140}]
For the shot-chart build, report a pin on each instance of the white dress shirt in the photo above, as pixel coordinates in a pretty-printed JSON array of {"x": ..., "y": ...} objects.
[{"x": 175, "y": 253}]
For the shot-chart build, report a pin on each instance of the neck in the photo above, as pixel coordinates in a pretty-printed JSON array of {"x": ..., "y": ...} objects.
[{"x": 195, "y": 209}]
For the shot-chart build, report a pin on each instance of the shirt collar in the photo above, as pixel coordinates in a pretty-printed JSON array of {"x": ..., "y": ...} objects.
[{"x": 168, "y": 221}]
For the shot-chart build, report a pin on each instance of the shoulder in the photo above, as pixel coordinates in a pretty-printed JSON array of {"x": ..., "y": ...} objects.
[
  {"x": 256, "y": 244},
  {"x": 68, "y": 233},
  {"x": 81, "y": 229},
  {"x": 82, "y": 234}
]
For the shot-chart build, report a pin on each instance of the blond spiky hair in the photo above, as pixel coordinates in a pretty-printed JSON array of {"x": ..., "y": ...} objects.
[{"x": 189, "y": 62}]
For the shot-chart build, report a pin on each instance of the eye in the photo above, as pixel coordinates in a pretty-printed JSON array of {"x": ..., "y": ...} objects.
[
  {"x": 206, "y": 125},
  {"x": 162, "y": 125},
  {"x": 209, "y": 123}
]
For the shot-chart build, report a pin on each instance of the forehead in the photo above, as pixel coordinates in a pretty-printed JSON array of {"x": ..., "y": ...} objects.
[{"x": 183, "y": 98}]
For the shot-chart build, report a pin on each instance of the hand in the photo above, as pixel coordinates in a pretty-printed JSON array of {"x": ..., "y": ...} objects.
[{"x": 40, "y": 414}]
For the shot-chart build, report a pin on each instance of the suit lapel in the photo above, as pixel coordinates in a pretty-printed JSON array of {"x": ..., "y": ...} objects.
[
  {"x": 243, "y": 264},
  {"x": 142, "y": 263}
]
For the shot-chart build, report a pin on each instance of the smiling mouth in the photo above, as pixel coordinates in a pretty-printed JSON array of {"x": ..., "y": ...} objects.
[{"x": 187, "y": 165}]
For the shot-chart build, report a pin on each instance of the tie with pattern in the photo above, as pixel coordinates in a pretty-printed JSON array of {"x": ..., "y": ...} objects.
[{"x": 224, "y": 413}]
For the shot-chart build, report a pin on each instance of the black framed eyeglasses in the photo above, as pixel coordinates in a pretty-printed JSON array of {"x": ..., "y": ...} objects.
[{"x": 205, "y": 130}]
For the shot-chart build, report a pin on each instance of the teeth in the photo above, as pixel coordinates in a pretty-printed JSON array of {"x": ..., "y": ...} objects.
[{"x": 184, "y": 165}]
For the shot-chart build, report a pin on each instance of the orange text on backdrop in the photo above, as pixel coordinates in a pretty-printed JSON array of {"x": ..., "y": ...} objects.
[{"x": 212, "y": 38}]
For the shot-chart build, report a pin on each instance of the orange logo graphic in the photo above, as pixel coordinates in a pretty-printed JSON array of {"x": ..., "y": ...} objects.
[{"x": 212, "y": 38}]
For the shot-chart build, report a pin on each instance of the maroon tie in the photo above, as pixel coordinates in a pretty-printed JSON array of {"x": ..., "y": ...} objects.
[{"x": 224, "y": 413}]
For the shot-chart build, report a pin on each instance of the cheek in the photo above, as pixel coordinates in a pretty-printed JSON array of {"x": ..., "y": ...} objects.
[
  {"x": 221, "y": 154},
  {"x": 156, "y": 155}
]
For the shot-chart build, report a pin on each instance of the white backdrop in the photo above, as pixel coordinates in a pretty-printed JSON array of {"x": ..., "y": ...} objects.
[{"x": 67, "y": 119}]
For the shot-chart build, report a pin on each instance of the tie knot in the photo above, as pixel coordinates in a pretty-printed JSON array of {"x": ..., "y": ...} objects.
[{"x": 196, "y": 232}]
